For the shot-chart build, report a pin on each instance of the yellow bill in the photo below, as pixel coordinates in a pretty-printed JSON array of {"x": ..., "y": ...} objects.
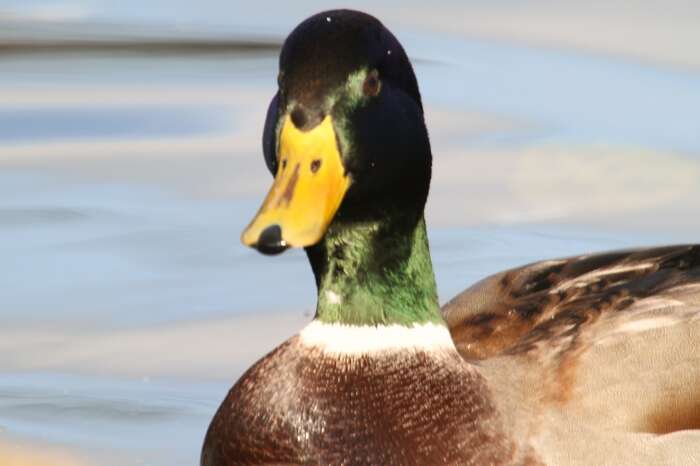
[{"x": 309, "y": 186}]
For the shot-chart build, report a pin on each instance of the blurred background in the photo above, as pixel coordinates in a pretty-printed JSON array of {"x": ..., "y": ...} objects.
[{"x": 130, "y": 161}]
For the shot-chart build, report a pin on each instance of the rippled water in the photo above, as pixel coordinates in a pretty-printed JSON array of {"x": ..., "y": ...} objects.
[{"x": 128, "y": 304}]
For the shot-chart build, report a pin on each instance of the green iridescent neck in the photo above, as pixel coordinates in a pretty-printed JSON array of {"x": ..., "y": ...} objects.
[{"x": 376, "y": 273}]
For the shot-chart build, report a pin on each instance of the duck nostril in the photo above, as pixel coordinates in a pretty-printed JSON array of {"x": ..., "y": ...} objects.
[
  {"x": 299, "y": 117},
  {"x": 315, "y": 165}
]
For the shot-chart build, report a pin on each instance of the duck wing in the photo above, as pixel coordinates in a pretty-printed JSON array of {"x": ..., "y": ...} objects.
[{"x": 612, "y": 339}]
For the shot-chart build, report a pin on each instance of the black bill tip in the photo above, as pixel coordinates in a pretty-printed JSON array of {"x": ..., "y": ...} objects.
[{"x": 270, "y": 241}]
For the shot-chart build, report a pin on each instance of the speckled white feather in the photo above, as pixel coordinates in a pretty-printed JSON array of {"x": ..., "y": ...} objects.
[
  {"x": 587, "y": 278},
  {"x": 363, "y": 339}
]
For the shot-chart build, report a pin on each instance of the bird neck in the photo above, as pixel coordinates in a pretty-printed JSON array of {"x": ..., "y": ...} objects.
[{"x": 375, "y": 273}]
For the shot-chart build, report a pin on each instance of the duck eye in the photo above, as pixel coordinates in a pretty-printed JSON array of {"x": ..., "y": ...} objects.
[
  {"x": 280, "y": 77},
  {"x": 371, "y": 86}
]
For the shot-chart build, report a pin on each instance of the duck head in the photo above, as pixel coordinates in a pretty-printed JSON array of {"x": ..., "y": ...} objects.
[{"x": 344, "y": 135}]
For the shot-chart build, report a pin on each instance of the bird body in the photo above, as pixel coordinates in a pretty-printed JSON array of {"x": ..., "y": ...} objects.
[{"x": 591, "y": 360}]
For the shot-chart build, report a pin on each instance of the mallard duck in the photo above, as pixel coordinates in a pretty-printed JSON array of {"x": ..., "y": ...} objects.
[{"x": 591, "y": 360}]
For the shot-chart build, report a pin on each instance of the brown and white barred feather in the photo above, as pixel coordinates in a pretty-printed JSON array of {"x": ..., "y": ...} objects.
[{"x": 601, "y": 345}]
